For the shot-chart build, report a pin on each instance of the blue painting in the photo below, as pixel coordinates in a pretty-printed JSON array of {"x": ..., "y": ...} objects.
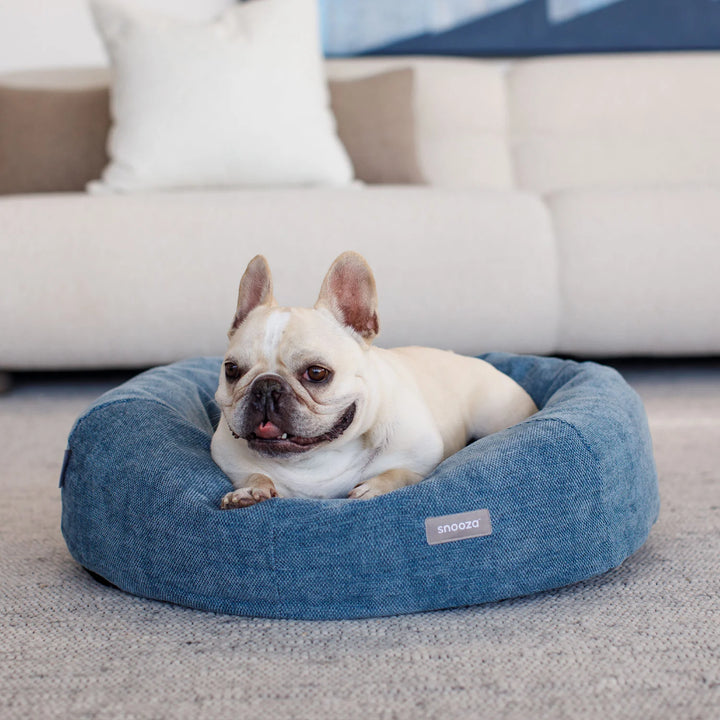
[
  {"x": 517, "y": 27},
  {"x": 563, "y": 10}
]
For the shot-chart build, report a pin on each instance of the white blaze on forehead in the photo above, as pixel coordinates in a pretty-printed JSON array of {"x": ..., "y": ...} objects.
[{"x": 274, "y": 329}]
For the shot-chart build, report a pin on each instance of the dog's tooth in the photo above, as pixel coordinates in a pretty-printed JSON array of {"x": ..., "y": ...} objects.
[{"x": 283, "y": 436}]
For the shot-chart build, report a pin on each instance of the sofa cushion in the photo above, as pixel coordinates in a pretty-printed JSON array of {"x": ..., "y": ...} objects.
[
  {"x": 376, "y": 124},
  {"x": 565, "y": 495},
  {"x": 241, "y": 101},
  {"x": 638, "y": 270},
  {"x": 615, "y": 121},
  {"x": 53, "y": 130}
]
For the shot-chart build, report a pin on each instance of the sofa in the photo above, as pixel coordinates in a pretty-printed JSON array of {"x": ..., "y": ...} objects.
[{"x": 566, "y": 205}]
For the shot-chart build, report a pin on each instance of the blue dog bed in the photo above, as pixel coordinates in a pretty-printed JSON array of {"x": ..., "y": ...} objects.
[{"x": 565, "y": 495}]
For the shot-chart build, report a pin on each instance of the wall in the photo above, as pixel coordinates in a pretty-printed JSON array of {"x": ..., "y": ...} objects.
[{"x": 50, "y": 33}]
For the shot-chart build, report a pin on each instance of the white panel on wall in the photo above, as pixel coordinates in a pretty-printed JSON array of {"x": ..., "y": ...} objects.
[
  {"x": 60, "y": 33},
  {"x": 563, "y": 10}
]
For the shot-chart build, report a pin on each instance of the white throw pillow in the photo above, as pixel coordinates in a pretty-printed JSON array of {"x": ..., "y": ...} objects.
[{"x": 241, "y": 101}]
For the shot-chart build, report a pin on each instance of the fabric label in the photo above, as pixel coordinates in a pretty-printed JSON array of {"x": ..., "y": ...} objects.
[{"x": 460, "y": 526}]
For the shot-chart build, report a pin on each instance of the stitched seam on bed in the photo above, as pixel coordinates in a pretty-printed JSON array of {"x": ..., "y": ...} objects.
[
  {"x": 559, "y": 372},
  {"x": 570, "y": 425}
]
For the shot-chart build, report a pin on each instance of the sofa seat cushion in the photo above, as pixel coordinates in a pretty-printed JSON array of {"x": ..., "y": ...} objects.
[
  {"x": 638, "y": 270},
  {"x": 565, "y": 495}
]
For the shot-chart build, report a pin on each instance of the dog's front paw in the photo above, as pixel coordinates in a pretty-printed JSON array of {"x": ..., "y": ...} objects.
[
  {"x": 261, "y": 489},
  {"x": 384, "y": 483},
  {"x": 244, "y": 497},
  {"x": 365, "y": 491}
]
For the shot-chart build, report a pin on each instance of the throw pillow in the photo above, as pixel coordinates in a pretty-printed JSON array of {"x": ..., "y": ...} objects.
[
  {"x": 240, "y": 101},
  {"x": 376, "y": 123},
  {"x": 53, "y": 130}
]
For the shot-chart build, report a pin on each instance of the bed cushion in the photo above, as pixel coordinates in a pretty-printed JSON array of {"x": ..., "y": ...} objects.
[{"x": 563, "y": 496}]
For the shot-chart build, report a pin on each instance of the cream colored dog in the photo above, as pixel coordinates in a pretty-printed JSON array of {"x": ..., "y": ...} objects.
[{"x": 311, "y": 409}]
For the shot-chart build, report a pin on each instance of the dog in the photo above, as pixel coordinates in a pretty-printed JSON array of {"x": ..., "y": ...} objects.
[{"x": 310, "y": 408}]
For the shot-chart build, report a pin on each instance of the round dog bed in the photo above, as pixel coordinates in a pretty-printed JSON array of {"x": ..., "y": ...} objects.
[{"x": 567, "y": 494}]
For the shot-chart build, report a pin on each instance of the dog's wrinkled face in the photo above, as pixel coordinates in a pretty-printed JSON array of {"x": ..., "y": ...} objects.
[
  {"x": 290, "y": 380},
  {"x": 293, "y": 378}
]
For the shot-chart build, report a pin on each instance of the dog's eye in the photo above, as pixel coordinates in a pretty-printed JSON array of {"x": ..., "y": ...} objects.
[
  {"x": 316, "y": 374},
  {"x": 232, "y": 370}
]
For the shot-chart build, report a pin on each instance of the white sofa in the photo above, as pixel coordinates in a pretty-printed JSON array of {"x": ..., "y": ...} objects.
[{"x": 571, "y": 206}]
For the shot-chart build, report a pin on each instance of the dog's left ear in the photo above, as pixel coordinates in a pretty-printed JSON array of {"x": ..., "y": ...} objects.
[{"x": 349, "y": 293}]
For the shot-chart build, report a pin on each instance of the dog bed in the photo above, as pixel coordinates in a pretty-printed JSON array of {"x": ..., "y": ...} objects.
[{"x": 565, "y": 495}]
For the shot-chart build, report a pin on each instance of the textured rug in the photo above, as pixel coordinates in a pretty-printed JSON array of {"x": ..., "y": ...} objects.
[{"x": 642, "y": 641}]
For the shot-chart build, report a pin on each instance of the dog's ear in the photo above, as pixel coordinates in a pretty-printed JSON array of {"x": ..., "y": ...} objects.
[
  {"x": 255, "y": 289},
  {"x": 349, "y": 293}
]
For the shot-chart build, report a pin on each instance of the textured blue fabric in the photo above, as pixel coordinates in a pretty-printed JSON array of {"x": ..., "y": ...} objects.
[{"x": 571, "y": 492}]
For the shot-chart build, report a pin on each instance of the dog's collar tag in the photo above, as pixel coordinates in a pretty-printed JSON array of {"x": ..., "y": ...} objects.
[{"x": 461, "y": 526}]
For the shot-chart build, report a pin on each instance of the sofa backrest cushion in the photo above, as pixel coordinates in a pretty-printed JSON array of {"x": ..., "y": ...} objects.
[{"x": 615, "y": 121}]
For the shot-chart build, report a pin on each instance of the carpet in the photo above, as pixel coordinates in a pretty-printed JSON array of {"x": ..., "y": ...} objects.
[{"x": 642, "y": 641}]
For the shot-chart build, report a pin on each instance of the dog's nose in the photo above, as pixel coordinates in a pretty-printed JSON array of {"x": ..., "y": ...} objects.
[{"x": 266, "y": 392}]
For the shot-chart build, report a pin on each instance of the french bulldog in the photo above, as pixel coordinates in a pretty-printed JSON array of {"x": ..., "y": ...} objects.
[{"x": 310, "y": 408}]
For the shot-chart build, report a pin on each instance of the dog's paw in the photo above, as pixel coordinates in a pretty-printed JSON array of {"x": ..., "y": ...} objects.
[
  {"x": 244, "y": 497},
  {"x": 384, "y": 483},
  {"x": 365, "y": 491}
]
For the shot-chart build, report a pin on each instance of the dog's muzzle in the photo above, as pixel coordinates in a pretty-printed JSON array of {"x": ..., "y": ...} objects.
[
  {"x": 267, "y": 426},
  {"x": 266, "y": 394}
]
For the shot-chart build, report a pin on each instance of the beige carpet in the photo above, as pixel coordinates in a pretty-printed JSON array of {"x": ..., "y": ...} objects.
[{"x": 640, "y": 642}]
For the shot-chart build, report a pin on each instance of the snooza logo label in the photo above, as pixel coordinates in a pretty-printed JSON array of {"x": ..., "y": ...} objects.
[{"x": 460, "y": 526}]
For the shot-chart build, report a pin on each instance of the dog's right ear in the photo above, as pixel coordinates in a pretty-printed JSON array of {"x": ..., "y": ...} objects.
[
  {"x": 348, "y": 292},
  {"x": 255, "y": 289}
]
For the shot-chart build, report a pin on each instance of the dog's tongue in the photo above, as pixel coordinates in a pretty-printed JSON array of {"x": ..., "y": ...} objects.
[{"x": 268, "y": 431}]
